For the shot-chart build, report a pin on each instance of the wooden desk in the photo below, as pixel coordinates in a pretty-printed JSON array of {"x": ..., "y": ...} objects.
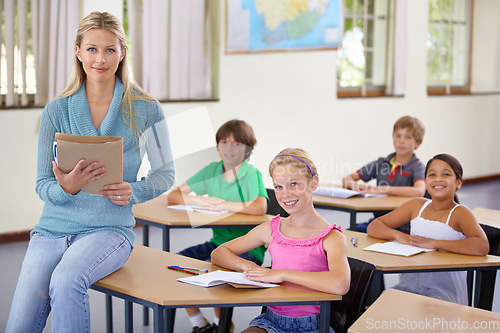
[
  {"x": 399, "y": 311},
  {"x": 155, "y": 213},
  {"x": 486, "y": 216},
  {"x": 423, "y": 262},
  {"x": 144, "y": 279},
  {"x": 359, "y": 204}
]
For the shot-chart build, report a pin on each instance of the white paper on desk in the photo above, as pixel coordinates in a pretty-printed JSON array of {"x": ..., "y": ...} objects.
[
  {"x": 397, "y": 248},
  {"x": 193, "y": 208},
  {"x": 220, "y": 277},
  {"x": 340, "y": 192}
]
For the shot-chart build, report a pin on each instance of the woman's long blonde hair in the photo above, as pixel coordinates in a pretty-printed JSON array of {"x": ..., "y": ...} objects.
[{"x": 131, "y": 91}]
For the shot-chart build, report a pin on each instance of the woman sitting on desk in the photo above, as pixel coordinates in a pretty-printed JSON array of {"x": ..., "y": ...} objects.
[{"x": 80, "y": 237}]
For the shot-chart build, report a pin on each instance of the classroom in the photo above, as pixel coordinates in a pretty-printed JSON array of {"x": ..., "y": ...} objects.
[{"x": 290, "y": 98}]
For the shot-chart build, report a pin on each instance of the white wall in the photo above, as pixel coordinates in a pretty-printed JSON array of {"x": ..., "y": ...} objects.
[
  {"x": 290, "y": 100},
  {"x": 114, "y": 7}
]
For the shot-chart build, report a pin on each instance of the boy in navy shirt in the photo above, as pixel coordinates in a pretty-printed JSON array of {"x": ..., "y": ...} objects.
[{"x": 400, "y": 173}]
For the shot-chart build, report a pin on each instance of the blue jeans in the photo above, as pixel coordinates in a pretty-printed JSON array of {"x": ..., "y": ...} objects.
[
  {"x": 56, "y": 274},
  {"x": 275, "y": 323}
]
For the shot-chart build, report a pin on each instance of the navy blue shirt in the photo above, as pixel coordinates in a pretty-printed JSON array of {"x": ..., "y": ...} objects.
[{"x": 402, "y": 175}]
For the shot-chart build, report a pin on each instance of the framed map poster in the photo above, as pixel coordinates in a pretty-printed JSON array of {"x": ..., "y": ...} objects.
[{"x": 283, "y": 25}]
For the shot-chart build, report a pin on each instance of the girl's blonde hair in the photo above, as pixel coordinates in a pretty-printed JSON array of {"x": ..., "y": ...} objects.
[
  {"x": 297, "y": 157},
  {"x": 131, "y": 91}
]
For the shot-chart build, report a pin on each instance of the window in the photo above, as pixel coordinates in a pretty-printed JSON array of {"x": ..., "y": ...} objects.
[
  {"x": 364, "y": 59},
  {"x": 448, "y": 47}
]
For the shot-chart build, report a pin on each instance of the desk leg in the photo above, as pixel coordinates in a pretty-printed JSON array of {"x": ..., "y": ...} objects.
[
  {"x": 145, "y": 316},
  {"x": 324, "y": 316},
  {"x": 485, "y": 288},
  {"x": 166, "y": 237},
  {"x": 109, "y": 314},
  {"x": 169, "y": 319},
  {"x": 376, "y": 287},
  {"x": 145, "y": 242},
  {"x": 159, "y": 319},
  {"x": 225, "y": 318},
  {"x": 145, "y": 235},
  {"x": 470, "y": 286},
  {"x": 352, "y": 223},
  {"x": 129, "y": 317}
]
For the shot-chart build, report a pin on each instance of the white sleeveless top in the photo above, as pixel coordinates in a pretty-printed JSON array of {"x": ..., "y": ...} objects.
[
  {"x": 434, "y": 229},
  {"x": 448, "y": 286}
]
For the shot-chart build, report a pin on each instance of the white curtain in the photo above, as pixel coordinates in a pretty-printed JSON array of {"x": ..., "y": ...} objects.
[
  {"x": 171, "y": 57},
  {"x": 399, "y": 49},
  {"x": 55, "y": 23},
  {"x": 39, "y": 66}
]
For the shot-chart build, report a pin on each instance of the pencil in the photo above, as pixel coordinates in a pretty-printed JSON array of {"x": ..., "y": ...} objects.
[
  {"x": 176, "y": 268},
  {"x": 192, "y": 269}
]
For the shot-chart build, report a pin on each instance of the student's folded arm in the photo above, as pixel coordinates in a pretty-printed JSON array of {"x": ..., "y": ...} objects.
[
  {"x": 474, "y": 246},
  {"x": 180, "y": 195},
  {"x": 350, "y": 181},
  {"x": 476, "y": 242},
  {"x": 256, "y": 207},
  {"x": 226, "y": 255},
  {"x": 417, "y": 190}
]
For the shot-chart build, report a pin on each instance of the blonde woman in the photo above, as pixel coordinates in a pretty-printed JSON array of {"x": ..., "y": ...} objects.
[{"x": 81, "y": 238}]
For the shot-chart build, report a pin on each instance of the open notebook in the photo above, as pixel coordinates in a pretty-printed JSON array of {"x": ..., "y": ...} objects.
[
  {"x": 397, "y": 248},
  {"x": 194, "y": 208},
  {"x": 238, "y": 280},
  {"x": 340, "y": 192}
]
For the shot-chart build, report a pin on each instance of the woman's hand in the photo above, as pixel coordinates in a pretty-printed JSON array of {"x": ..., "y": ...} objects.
[
  {"x": 118, "y": 193},
  {"x": 79, "y": 177},
  {"x": 264, "y": 275}
]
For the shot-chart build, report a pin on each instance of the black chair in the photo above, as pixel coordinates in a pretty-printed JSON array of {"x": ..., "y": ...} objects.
[
  {"x": 484, "y": 296},
  {"x": 344, "y": 313}
]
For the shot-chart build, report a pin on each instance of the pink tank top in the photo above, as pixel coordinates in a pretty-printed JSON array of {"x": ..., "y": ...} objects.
[{"x": 299, "y": 255}]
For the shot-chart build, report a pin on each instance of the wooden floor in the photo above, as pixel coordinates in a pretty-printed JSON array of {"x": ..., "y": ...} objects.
[{"x": 485, "y": 195}]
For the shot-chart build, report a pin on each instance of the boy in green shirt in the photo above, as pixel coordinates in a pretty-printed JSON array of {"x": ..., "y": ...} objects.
[{"x": 231, "y": 184}]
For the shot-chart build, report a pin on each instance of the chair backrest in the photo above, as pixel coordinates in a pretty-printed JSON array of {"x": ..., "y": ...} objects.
[
  {"x": 487, "y": 219},
  {"x": 344, "y": 313},
  {"x": 274, "y": 207},
  {"x": 493, "y": 235}
]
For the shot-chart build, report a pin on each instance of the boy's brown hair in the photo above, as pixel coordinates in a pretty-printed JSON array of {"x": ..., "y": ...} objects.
[
  {"x": 414, "y": 125},
  {"x": 241, "y": 131}
]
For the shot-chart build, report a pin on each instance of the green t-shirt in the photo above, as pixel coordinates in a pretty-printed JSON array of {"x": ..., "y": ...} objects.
[{"x": 245, "y": 187}]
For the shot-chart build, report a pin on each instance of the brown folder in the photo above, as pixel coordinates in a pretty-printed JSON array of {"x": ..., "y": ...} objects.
[{"x": 106, "y": 150}]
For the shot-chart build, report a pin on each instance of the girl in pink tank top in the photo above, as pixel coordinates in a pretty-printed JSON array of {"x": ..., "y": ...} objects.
[
  {"x": 304, "y": 248},
  {"x": 440, "y": 223}
]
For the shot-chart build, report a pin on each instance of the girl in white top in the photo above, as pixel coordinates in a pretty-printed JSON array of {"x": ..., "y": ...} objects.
[{"x": 440, "y": 223}]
